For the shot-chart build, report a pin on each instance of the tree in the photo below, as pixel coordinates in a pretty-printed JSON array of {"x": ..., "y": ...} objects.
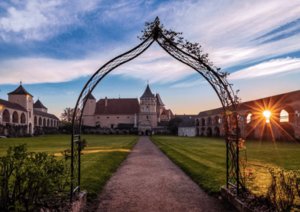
[
  {"x": 173, "y": 125},
  {"x": 67, "y": 115}
]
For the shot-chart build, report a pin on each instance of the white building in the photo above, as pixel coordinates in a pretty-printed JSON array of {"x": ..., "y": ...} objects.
[
  {"x": 145, "y": 115},
  {"x": 20, "y": 115}
]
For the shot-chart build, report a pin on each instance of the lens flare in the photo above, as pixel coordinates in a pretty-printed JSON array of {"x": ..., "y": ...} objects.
[{"x": 267, "y": 114}]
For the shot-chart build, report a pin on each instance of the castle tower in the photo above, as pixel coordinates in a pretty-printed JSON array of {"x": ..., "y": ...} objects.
[
  {"x": 25, "y": 99},
  {"x": 148, "y": 112},
  {"x": 89, "y": 111}
]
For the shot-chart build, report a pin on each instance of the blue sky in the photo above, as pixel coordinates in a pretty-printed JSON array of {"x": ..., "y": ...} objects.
[{"x": 54, "y": 46}]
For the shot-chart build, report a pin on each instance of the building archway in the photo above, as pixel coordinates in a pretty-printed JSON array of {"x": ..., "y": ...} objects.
[
  {"x": 23, "y": 118},
  {"x": 6, "y": 116},
  {"x": 15, "y": 117},
  {"x": 187, "y": 53}
]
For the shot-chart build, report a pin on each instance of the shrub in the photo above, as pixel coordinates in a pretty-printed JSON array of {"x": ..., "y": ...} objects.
[
  {"x": 30, "y": 180},
  {"x": 283, "y": 189}
]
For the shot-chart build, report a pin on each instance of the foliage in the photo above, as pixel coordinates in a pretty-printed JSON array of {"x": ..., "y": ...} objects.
[
  {"x": 67, "y": 115},
  {"x": 176, "y": 39},
  {"x": 100, "y": 158},
  {"x": 283, "y": 189},
  {"x": 31, "y": 180},
  {"x": 65, "y": 127},
  {"x": 173, "y": 125}
]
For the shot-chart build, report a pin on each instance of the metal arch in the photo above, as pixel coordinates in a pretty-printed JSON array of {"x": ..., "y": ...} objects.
[
  {"x": 226, "y": 97},
  {"x": 81, "y": 101},
  {"x": 218, "y": 82}
]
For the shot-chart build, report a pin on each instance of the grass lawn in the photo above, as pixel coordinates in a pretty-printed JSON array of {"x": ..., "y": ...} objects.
[
  {"x": 100, "y": 158},
  {"x": 204, "y": 158}
]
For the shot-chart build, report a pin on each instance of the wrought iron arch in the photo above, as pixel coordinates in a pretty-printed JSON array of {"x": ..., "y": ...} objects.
[{"x": 217, "y": 79}]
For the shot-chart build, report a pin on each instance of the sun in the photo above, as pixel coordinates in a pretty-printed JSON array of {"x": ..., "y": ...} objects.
[{"x": 267, "y": 114}]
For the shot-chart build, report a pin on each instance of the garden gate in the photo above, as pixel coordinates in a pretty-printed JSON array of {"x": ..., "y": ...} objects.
[{"x": 189, "y": 54}]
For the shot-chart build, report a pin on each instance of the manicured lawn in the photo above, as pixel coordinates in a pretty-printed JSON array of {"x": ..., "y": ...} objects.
[
  {"x": 100, "y": 158},
  {"x": 204, "y": 158}
]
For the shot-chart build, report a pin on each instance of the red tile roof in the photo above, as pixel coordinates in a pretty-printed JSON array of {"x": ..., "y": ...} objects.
[{"x": 117, "y": 106}]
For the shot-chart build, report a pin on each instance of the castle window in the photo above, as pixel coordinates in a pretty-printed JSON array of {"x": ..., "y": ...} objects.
[
  {"x": 23, "y": 118},
  {"x": 284, "y": 116},
  {"x": 6, "y": 116},
  {"x": 107, "y": 117},
  {"x": 147, "y": 117},
  {"x": 118, "y": 117},
  {"x": 249, "y": 118},
  {"x": 15, "y": 117}
]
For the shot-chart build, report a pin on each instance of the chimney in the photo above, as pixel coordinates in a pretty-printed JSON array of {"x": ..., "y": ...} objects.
[{"x": 105, "y": 102}]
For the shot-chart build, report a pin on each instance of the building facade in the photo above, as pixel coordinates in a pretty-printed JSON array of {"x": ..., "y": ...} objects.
[
  {"x": 187, "y": 125},
  {"x": 271, "y": 118},
  {"x": 146, "y": 114},
  {"x": 20, "y": 115}
]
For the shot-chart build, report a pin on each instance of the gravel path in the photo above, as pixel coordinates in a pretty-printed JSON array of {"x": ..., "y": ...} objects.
[{"x": 149, "y": 181}]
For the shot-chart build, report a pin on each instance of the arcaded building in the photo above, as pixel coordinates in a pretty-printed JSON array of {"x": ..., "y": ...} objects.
[
  {"x": 19, "y": 115},
  {"x": 271, "y": 118},
  {"x": 146, "y": 114}
]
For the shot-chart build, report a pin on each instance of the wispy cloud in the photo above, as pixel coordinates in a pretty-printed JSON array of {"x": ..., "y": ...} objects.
[
  {"x": 39, "y": 19},
  {"x": 227, "y": 30},
  {"x": 233, "y": 33},
  {"x": 42, "y": 70},
  {"x": 189, "y": 83},
  {"x": 153, "y": 66},
  {"x": 271, "y": 67}
]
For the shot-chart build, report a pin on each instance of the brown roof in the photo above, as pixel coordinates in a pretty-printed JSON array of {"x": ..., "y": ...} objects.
[
  {"x": 167, "y": 112},
  {"x": 159, "y": 101},
  {"x": 20, "y": 91},
  {"x": 40, "y": 113},
  {"x": 117, "y": 106},
  {"x": 12, "y": 105}
]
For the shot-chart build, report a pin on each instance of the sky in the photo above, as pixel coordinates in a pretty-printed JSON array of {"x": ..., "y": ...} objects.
[{"x": 54, "y": 46}]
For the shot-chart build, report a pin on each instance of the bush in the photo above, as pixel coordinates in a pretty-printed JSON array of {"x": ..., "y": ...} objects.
[
  {"x": 284, "y": 189},
  {"x": 30, "y": 180}
]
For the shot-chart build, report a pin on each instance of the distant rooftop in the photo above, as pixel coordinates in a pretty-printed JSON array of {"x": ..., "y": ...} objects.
[
  {"x": 148, "y": 93},
  {"x": 20, "y": 91},
  {"x": 39, "y": 104}
]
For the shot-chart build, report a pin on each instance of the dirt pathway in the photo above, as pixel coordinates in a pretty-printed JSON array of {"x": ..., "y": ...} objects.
[{"x": 149, "y": 181}]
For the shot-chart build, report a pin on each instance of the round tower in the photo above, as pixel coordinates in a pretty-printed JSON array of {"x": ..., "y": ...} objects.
[{"x": 88, "y": 118}]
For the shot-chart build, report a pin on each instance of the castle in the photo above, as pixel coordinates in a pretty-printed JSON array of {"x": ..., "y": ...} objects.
[
  {"x": 20, "y": 115},
  {"x": 148, "y": 115}
]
